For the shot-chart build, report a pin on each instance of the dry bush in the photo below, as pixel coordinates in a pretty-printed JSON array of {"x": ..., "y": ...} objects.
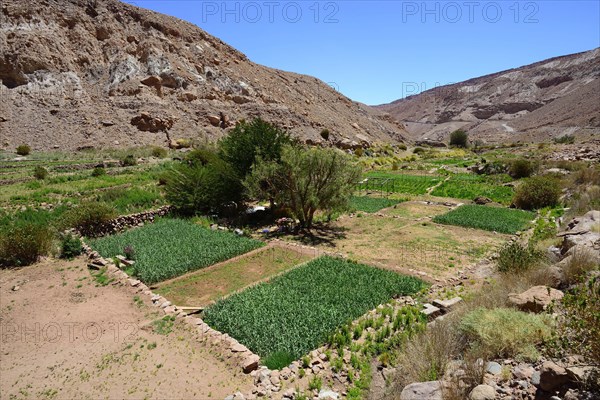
[
  {"x": 427, "y": 355},
  {"x": 584, "y": 202},
  {"x": 579, "y": 264},
  {"x": 587, "y": 176},
  {"x": 505, "y": 332}
]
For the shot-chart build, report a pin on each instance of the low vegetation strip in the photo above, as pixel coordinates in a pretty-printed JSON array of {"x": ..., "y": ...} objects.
[
  {"x": 371, "y": 204},
  {"x": 172, "y": 247},
  {"x": 399, "y": 183},
  {"x": 503, "y": 220},
  {"x": 295, "y": 312},
  {"x": 471, "y": 186}
]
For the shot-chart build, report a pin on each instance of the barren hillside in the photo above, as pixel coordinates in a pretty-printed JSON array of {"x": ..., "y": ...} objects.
[
  {"x": 535, "y": 102},
  {"x": 103, "y": 73}
]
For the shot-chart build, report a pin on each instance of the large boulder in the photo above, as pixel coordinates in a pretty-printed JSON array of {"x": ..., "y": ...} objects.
[
  {"x": 535, "y": 299},
  {"x": 422, "y": 391},
  {"x": 582, "y": 231}
]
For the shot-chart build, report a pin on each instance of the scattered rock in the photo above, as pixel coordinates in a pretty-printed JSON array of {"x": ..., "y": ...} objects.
[
  {"x": 493, "y": 368},
  {"x": 15, "y": 288},
  {"x": 552, "y": 376},
  {"x": 481, "y": 200},
  {"x": 431, "y": 311},
  {"x": 483, "y": 392},
  {"x": 447, "y": 304},
  {"x": 535, "y": 299},
  {"x": 422, "y": 391},
  {"x": 250, "y": 363},
  {"x": 523, "y": 371},
  {"x": 326, "y": 394}
]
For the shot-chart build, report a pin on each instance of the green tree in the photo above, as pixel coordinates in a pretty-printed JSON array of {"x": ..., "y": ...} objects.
[
  {"x": 459, "y": 138},
  {"x": 306, "y": 181},
  {"x": 202, "y": 182},
  {"x": 249, "y": 140}
]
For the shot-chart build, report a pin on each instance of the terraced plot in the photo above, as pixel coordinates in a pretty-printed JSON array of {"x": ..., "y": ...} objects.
[
  {"x": 294, "y": 312},
  {"x": 172, "y": 247},
  {"x": 504, "y": 220}
]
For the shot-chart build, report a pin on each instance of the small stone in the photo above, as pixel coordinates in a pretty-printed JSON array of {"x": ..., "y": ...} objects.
[
  {"x": 493, "y": 368},
  {"x": 431, "y": 311},
  {"x": 535, "y": 378},
  {"x": 523, "y": 371},
  {"x": 238, "y": 348},
  {"x": 250, "y": 363},
  {"x": 16, "y": 287},
  {"x": 447, "y": 304},
  {"x": 422, "y": 390},
  {"x": 289, "y": 393},
  {"x": 325, "y": 394},
  {"x": 165, "y": 304},
  {"x": 483, "y": 392}
]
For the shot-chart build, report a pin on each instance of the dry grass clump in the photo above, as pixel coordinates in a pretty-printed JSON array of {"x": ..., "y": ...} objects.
[
  {"x": 584, "y": 202},
  {"x": 578, "y": 264}
]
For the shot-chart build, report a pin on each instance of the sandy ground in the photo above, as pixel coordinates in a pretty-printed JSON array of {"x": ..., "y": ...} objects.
[{"x": 64, "y": 337}]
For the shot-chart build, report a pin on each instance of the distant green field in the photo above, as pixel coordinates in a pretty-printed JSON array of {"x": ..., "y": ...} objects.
[
  {"x": 503, "y": 220},
  {"x": 402, "y": 183},
  {"x": 295, "y": 312},
  {"x": 172, "y": 247},
  {"x": 467, "y": 186},
  {"x": 371, "y": 204}
]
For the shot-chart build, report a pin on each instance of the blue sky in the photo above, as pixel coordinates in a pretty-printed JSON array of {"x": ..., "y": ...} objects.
[{"x": 379, "y": 51}]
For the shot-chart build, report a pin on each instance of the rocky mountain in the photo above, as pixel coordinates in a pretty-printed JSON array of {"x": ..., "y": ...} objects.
[
  {"x": 101, "y": 73},
  {"x": 535, "y": 102}
]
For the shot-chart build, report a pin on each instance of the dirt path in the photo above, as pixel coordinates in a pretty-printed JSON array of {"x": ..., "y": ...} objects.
[{"x": 63, "y": 337}]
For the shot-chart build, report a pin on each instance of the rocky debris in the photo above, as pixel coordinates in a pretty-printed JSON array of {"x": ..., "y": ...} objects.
[
  {"x": 124, "y": 222},
  {"x": 535, "y": 299},
  {"x": 250, "y": 363},
  {"x": 482, "y": 392},
  {"x": 523, "y": 371},
  {"x": 347, "y": 144},
  {"x": 422, "y": 391},
  {"x": 431, "y": 311},
  {"x": 16, "y": 288},
  {"x": 582, "y": 231},
  {"x": 552, "y": 376},
  {"x": 327, "y": 394},
  {"x": 555, "y": 275},
  {"x": 145, "y": 122},
  {"x": 493, "y": 368},
  {"x": 481, "y": 200},
  {"x": 447, "y": 305}
]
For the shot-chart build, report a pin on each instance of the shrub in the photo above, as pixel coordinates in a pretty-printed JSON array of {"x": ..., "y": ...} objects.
[
  {"x": 129, "y": 161},
  {"x": 515, "y": 257},
  {"x": 23, "y": 150},
  {"x": 325, "y": 134},
  {"x": 402, "y": 147},
  {"x": 537, "y": 192},
  {"x": 521, "y": 168},
  {"x": 578, "y": 264},
  {"x": 565, "y": 139},
  {"x": 98, "y": 171},
  {"x": 305, "y": 180},
  {"x": 88, "y": 217},
  {"x": 459, "y": 138},
  {"x": 70, "y": 246},
  {"x": 580, "y": 326},
  {"x": 359, "y": 152},
  {"x": 25, "y": 244},
  {"x": 587, "y": 176},
  {"x": 202, "y": 183},
  {"x": 247, "y": 141},
  {"x": 427, "y": 355},
  {"x": 418, "y": 150},
  {"x": 158, "y": 152},
  {"x": 40, "y": 172},
  {"x": 505, "y": 332}
]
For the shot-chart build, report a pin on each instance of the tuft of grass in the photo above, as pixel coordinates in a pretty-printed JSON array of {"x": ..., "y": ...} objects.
[
  {"x": 279, "y": 360},
  {"x": 164, "y": 326},
  {"x": 503, "y": 220},
  {"x": 515, "y": 257},
  {"x": 578, "y": 264},
  {"x": 505, "y": 332}
]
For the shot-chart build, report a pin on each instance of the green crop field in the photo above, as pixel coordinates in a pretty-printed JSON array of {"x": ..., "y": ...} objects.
[
  {"x": 503, "y": 220},
  {"x": 172, "y": 247},
  {"x": 294, "y": 312},
  {"x": 402, "y": 183},
  {"x": 371, "y": 204},
  {"x": 463, "y": 186}
]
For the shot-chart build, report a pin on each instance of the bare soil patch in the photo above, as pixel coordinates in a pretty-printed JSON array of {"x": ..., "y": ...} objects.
[{"x": 64, "y": 337}]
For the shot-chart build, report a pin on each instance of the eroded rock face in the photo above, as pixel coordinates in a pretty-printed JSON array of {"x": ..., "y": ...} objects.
[
  {"x": 109, "y": 60},
  {"x": 582, "y": 231},
  {"x": 535, "y": 299}
]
